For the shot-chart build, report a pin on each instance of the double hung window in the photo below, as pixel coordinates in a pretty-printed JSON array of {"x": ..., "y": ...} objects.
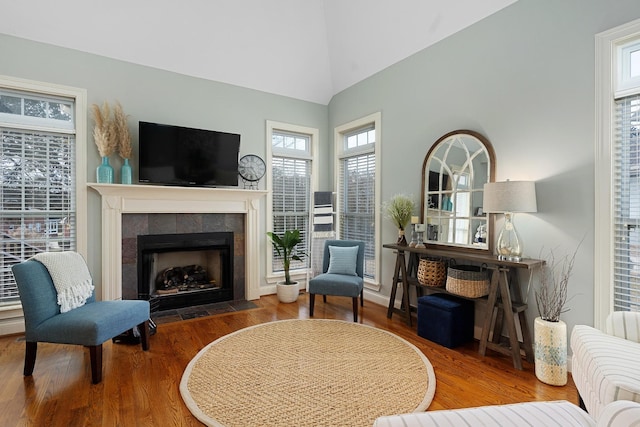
[
  {"x": 38, "y": 174},
  {"x": 290, "y": 156},
  {"x": 358, "y": 187},
  {"x": 617, "y": 243}
]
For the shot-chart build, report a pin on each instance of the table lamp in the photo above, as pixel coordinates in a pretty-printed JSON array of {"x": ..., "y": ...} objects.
[{"x": 509, "y": 197}]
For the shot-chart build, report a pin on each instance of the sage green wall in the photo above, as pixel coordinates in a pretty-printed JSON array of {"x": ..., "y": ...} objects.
[
  {"x": 158, "y": 96},
  {"x": 523, "y": 77}
]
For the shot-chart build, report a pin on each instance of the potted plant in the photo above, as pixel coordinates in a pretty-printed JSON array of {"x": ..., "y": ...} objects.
[
  {"x": 550, "y": 333},
  {"x": 399, "y": 210},
  {"x": 285, "y": 246}
]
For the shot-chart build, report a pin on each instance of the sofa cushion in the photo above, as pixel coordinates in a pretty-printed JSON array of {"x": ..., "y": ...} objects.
[
  {"x": 336, "y": 284},
  {"x": 605, "y": 368},
  {"x": 624, "y": 324},
  {"x": 533, "y": 414},
  {"x": 91, "y": 324},
  {"x": 622, "y": 413}
]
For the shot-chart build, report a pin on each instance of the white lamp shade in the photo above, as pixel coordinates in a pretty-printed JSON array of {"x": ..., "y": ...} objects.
[{"x": 509, "y": 196}]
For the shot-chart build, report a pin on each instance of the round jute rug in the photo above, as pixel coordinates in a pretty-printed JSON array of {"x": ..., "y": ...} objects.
[{"x": 306, "y": 373}]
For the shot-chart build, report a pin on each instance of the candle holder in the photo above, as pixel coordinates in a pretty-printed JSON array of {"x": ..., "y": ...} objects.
[
  {"x": 414, "y": 236},
  {"x": 419, "y": 229}
]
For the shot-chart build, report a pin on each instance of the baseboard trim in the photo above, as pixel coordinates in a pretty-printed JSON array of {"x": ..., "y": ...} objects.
[{"x": 11, "y": 326}]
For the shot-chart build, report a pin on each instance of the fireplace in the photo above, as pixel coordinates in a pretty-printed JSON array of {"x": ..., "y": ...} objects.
[
  {"x": 187, "y": 269},
  {"x": 119, "y": 276}
]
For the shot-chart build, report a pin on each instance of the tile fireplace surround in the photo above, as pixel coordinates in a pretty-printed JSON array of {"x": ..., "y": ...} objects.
[{"x": 120, "y": 199}]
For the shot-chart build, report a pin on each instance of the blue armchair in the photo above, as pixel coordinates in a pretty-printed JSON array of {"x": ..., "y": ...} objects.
[
  {"x": 89, "y": 325},
  {"x": 342, "y": 273}
]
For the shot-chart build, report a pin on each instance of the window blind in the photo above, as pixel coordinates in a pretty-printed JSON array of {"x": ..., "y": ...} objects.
[
  {"x": 291, "y": 191},
  {"x": 357, "y": 204},
  {"x": 626, "y": 195},
  {"x": 37, "y": 182}
]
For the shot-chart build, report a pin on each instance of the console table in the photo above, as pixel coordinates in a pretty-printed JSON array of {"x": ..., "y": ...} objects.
[{"x": 504, "y": 297}]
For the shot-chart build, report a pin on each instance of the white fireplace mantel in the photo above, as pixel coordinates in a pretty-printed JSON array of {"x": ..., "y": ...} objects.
[{"x": 120, "y": 199}]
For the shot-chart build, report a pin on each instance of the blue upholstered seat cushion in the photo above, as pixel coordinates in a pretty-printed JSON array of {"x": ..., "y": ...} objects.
[
  {"x": 336, "y": 284},
  {"x": 342, "y": 260},
  {"x": 91, "y": 324}
]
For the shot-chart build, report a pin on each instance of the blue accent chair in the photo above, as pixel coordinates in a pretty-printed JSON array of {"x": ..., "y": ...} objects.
[
  {"x": 347, "y": 285},
  {"x": 89, "y": 325}
]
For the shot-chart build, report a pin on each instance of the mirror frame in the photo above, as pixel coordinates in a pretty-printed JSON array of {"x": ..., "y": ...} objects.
[{"x": 491, "y": 178}]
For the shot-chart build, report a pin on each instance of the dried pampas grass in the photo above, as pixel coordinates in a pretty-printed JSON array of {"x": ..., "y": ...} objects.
[
  {"x": 111, "y": 132},
  {"x": 103, "y": 132},
  {"x": 122, "y": 132}
]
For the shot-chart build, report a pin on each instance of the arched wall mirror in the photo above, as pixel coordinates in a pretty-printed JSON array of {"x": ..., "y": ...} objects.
[{"x": 453, "y": 175}]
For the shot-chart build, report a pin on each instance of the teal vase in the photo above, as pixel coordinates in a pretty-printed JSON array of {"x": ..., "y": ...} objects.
[
  {"x": 125, "y": 172},
  {"x": 104, "y": 172}
]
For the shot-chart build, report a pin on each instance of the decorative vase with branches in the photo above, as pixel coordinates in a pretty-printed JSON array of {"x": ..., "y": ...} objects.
[
  {"x": 111, "y": 133},
  {"x": 105, "y": 139},
  {"x": 123, "y": 137},
  {"x": 550, "y": 333},
  {"x": 399, "y": 210}
]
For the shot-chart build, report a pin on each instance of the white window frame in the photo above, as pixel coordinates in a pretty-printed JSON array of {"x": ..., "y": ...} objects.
[
  {"x": 610, "y": 83},
  {"x": 340, "y": 132},
  {"x": 11, "y": 316},
  {"x": 299, "y": 274}
]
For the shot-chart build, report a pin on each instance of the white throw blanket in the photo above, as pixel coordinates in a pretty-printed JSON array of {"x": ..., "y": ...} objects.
[{"x": 70, "y": 276}]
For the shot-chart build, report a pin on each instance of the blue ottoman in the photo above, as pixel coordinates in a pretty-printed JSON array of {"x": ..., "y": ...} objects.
[{"x": 445, "y": 319}]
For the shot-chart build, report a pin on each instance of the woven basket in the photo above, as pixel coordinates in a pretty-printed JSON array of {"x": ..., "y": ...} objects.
[
  {"x": 468, "y": 281},
  {"x": 432, "y": 272}
]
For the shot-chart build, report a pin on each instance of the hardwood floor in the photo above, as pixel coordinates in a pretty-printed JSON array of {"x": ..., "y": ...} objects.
[{"x": 141, "y": 388}]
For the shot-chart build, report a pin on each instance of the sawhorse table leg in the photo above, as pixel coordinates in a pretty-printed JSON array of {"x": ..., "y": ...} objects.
[
  {"x": 506, "y": 313},
  {"x": 400, "y": 276}
]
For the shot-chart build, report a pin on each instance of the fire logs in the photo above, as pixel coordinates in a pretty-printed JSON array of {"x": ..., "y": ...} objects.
[{"x": 178, "y": 279}]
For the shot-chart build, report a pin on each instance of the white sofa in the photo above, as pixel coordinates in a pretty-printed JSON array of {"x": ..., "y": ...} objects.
[
  {"x": 605, "y": 366},
  {"x": 532, "y": 414}
]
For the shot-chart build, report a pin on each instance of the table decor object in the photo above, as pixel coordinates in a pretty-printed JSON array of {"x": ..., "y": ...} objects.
[
  {"x": 509, "y": 197},
  {"x": 123, "y": 137},
  {"x": 104, "y": 138},
  {"x": 550, "y": 333},
  {"x": 399, "y": 210}
]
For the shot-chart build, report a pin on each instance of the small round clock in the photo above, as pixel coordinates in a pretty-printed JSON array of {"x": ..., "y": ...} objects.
[{"x": 251, "y": 168}]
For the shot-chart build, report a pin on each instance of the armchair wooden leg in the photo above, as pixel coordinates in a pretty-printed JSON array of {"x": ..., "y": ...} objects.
[
  {"x": 30, "y": 357},
  {"x": 312, "y": 300},
  {"x": 362, "y": 298},
  {"x": 95, "y": 354},
  {"x": 324, "y": 298},
  {"x": 355, "y": 309},
  {"x": 144, "y": 335}
]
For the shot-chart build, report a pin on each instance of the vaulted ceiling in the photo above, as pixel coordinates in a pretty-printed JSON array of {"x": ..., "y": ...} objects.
[{"x": 305, "y": 49}]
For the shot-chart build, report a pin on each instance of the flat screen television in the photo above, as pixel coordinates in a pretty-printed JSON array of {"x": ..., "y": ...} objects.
[{"x": 175, "y": 155}]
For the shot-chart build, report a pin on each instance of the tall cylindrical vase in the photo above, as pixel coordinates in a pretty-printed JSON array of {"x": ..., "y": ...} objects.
[
  {"x": 125, "y": 172},
  {"x": 104, "y": 172},
  {"x": 550, "y": 340}
]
